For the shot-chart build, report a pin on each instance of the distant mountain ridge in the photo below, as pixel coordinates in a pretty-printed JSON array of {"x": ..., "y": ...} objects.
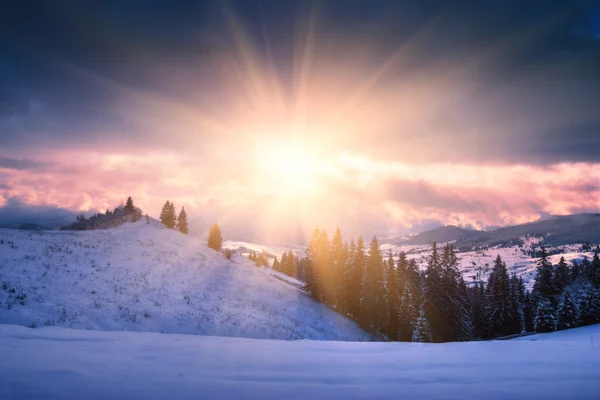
[{"x": 576, "y": 228}]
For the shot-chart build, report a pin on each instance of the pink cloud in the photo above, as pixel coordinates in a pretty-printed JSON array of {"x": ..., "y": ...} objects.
[{"x": 363, "y": 195}]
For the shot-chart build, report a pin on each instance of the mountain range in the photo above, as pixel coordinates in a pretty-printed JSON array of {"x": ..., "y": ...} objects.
[{"x": 555, "y": 231}]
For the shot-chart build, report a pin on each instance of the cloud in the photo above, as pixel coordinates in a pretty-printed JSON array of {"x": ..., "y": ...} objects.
[
  {"x": 16, "y": 211},
  {"x": 363, "y": 196},
  {"x": 19, "y": 164},
  {"x": 472, "y": 113},
  {"x": 469, "y": 81}
]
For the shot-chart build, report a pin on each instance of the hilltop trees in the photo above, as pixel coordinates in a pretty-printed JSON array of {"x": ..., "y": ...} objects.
[
  {"x": 167, "y": 215},
  {"x": 215, "y": 237},
  {"x": 129, "y": 208},
  {"x": 182, "y": 224},
  {"x": 108, "y": 219},
  {"x": 170, "y": 219}
]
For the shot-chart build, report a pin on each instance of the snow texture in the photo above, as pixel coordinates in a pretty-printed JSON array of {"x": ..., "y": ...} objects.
[
  {"x": 144, "y": 277},
  {"x": 58, "y": 363}
]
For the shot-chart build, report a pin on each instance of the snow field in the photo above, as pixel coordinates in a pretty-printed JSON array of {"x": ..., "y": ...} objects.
[{"x": 57, "y": 363}]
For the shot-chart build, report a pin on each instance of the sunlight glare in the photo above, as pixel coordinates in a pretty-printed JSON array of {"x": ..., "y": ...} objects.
[{"x": 290, "y": 166}]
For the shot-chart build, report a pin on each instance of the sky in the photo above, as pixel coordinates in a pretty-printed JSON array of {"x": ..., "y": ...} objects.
[{"x": 271, "y": 117}]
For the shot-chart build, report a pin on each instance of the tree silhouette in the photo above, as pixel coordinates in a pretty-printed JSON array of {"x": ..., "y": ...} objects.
[
  {"x": 129, "y": 208},
  {"x": 215, "y": 237},
  {"x": 167, "y": 215},
  {"x": 182, "y": 224}
]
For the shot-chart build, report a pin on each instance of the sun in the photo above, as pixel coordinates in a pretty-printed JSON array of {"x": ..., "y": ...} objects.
[{"x": 290, "y": 167}]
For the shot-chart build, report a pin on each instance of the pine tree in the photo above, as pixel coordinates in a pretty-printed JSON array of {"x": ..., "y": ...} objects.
[
  {"x": 585, "y": 268},
  {"x": 347, "y": 296},
  {"x": 457, "y": 324},
  {"x": 261, "y": 261},
  {"x": 543, "y": 288},
  {"x": 575, "y": 271},
  {"x": 412, "y": 296},
  {"x": 129, "y": 208},
  {"x": 215, "y": 238},
  {"x": 338, "y": 262},
  {"x": 589, "y": 305},
  {"x": 477, "y": 311},
  {"x": 562, "y": 275},
  {"x": 313, "y": 252},
  {"x": 276, "y": 265},
  {"x": 421, "y": 331},
  {"x": 544, "y": 318},
  {"x": 567, "y": 314},
  {"x": 303, "y": 264},
  {"x": 182, "y": 224},
  {"x": 516, "y": 318},
  {"x": 163, "y": 213},
  {"x": 283, "y": 265},
  {"x": 434, "y": 298},
  {"x": 373, "y": 304},
  {"x": 355, "y": 266},
  {"x": 393, "y": 298},
  {"x": 528, "y": 311},
  {"x": 167, "y": 215},
  {"x": 498, "y": 300},
  {"x": 594, "y": 271},
  {"x": 291, "y": 267},
  {"x": 407, "y": 314}
]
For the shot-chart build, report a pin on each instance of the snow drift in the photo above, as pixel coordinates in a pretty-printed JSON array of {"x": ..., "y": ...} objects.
[{"x": 57, "y": 363}]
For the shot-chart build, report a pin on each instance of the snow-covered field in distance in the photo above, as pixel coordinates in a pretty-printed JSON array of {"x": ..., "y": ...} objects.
[
  {"x": 475, "y": 266},
  {"x": 57, "y": 363},
  {"x": 144, "y": 277}
]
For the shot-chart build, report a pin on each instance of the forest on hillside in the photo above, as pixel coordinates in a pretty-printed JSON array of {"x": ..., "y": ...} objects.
[{"x": 390, "y": 296}]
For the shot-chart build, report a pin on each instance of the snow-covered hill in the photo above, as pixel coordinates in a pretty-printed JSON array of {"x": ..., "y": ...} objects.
[
  {"x": 57, "y": 363},
  {"x": 144, "y": 277}
]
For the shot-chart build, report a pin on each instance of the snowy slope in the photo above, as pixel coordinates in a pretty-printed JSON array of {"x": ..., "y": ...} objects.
[
  {"x": 57, "y": 363},
  {"x": 144, "y": 277}
]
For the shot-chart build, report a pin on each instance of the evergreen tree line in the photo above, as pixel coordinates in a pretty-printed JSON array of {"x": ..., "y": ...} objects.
[
  {"x": 107, "y": 219},
  {"x": 390, "y": 296},
  {"x": 171, "y": 220},
  {"x": 261, "y": 261},
  {"x": 566, "y": 296}
]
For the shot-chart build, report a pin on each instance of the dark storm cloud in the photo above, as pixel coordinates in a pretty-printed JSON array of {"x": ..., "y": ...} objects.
[
  {"x": 19, "y": 164},
  {"x": 49, "y": 51},
  {"x": 16, "y": 211}
]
